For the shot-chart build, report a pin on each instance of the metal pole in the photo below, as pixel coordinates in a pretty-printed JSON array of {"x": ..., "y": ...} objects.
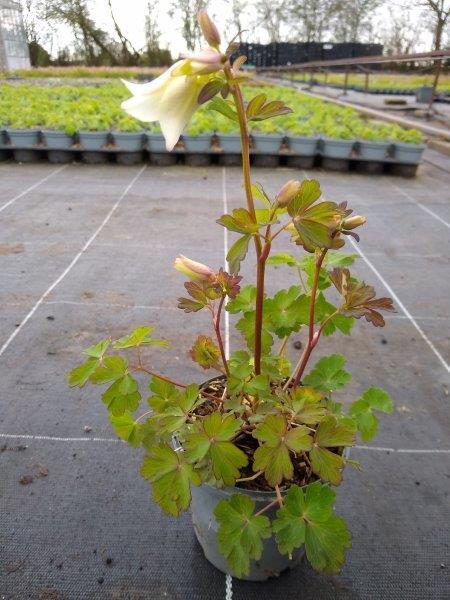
[
  {"x": 435, "y": 84},
  {"x": 345, "y": 82},
  {"x": 366, "y": 83}
]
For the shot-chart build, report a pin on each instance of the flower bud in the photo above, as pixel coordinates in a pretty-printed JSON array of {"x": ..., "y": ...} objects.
[
  {"x": 208, "y": 28},
  {"x": 195, "y": 271},
  {"x": 287, "y": 193},
  {"x": 353, "y": 222}
]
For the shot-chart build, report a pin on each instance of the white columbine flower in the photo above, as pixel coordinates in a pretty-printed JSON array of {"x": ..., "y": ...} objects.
[{"x": 172, "y": 97}]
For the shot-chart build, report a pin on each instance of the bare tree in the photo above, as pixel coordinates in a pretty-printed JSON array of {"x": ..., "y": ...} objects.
[
  {"x": 93, "y": 41},
  {"x": 188, "y": 10},
  {"x": 271, "y": 15},
  {"x": 439, "y": 12},
  {"x": 235, "y": 20},
  {"x": 310, "y": 19},
  {"x": 402, "y": 34},
  {"x": 353, "y": 19},
  {"x": 130, "y": 56}
]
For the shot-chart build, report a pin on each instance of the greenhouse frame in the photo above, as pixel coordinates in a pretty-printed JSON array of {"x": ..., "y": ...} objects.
[{"x": 13, "y": 44}]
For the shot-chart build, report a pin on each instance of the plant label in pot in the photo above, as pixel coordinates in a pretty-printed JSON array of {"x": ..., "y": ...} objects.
[{"x": 261, "y": 447}]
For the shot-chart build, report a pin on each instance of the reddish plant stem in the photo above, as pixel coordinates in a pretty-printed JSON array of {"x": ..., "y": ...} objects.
[
  {"x": 163, "y": 377},
  {"x": 216, "y": 321},
  {"x": 312, "y": 337}
]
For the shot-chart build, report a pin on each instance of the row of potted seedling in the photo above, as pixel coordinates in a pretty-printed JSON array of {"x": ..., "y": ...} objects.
[
  {"x": 267, "y": 150},
  {"x": 205, "y": 143}
]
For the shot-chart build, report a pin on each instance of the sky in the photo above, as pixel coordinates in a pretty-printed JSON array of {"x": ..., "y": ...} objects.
[{"x": 130, "y": 16}]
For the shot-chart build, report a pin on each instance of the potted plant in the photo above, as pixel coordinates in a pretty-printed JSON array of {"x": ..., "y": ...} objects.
[
  {"x": 58, "y": 136},
  {"x": 258, "y": 449},
  {"x": 93, "y": 133},
  {"x": 156, "y": 147},
  {"x": 197, "y": 146},
  {"x": 129, "y": 140},
  {"x": 409, "y": 146}
]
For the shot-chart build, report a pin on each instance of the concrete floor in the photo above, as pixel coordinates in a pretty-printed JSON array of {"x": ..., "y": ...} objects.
[{"x": 87, "y": 251}]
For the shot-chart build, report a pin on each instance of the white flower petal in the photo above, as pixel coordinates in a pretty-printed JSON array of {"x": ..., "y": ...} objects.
[
  {"x": 178, "y": 104},
  {"x": 138, "y": 89},
  {"x": 144, "y": 108}
]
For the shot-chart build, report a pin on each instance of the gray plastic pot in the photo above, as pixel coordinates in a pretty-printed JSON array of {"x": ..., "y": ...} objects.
[
  {"x": 23, "y": 138},
  {"x": 129, "y": 141},
  {"x": 2, "y": 137},
  {"x": 204, "y": 501},
  {"x": 332, "y": 148},
  {"x": 57, "y": 140},
  {"x": 266, "y": 144},
  {"x": 198, "y": 143},
  {"x": 230, "y": 143},
  {"x": 424, "y": 94},
  {"x": 93, "y": 140},
  {"x": 373, "y": 150},
  {"x": 156, "y": 142},
  {"x": 408, "y": 154},
  {"x": 303, "y": 146}
]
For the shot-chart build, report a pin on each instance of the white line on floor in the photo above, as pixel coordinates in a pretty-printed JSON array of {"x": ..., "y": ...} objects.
[
  {"x": 404, "y": 450},
  {"x": 401, "y": 305},
  {"x": 111, "y": 305},
  {"x": 225, "y": 263},
  {"x": 50, "y": 438},
  {"x": 72, "y": 264},
  {"x": 420, "y": 205},
  {"x": 228, "y": 578},
  {"x": 406, "y": 255},
  {"x": 228, "y": 587},
  {"x": 32, "y": 187}
]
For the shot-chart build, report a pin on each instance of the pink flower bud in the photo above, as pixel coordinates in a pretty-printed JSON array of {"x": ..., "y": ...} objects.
[
  {"x": 287, "y": 193},
  {"x": 195, "y": 271},
  {"x": 208, "y": 28},
  {"x": 353, "y": 222}
]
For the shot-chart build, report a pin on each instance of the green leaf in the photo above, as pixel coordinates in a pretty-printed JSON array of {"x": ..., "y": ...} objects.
[
  {"x": 340, "y": 259},
  {"x": 220, "y": 105},
  {"x": 362, "y": 411},
  {"x": 246, "y": 325},
  {"x": 284, "y": 313},
  {"x": 306, "y": 405},
  {"x": 171, "y": 477},
  {"x": 79, "y": 376},
  {"x": 98, "y": 350},
  {"x": 173, "y": 412},
  {"x": 111, "y": 369},
  {"x": 331, "y": 433},
  {"x": 308, "y": 193},
  {"x": 273, "y": 456},
  {"x": 210, "y": 89},
  {"x": 344, "y": 324},
  {"x": 127, "y": 429},
  {"x": 240, "y": 532},
  {"x": 140, "y": 337},
  {"x": 205, "y": 352},
  {"x": 282, "y": 258},
  {"x": 211, "y": 440},
  {"x": 328, "y": 374},
  {"x": 237, "y": 253},
  {"x": 163, "y": 393},
  {"x": 259, "y": 194},
  {"x": 239, "y": 221},
  {"x": 307, "y": 518},
  {"x": 123, "y": 395},
  {"x": 244, "y": 301}
]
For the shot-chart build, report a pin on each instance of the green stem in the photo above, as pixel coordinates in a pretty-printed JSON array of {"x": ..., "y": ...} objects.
[{"x": 260, "y": 274}]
